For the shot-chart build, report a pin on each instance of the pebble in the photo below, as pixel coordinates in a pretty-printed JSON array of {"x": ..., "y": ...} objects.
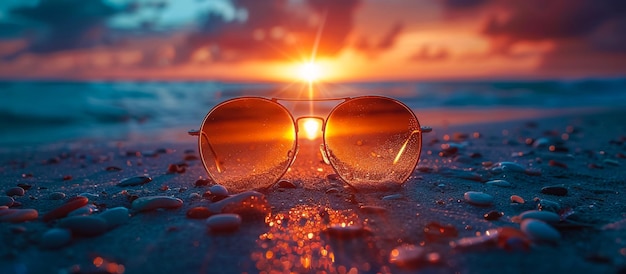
[
  {"x": 557, "y": 164},
  {"x": 57, "y": 196},
  {"x": 89, "y": 195},
  {"x": 478, "y": 198},
  {"x": 345, "y": 231},
  {"x": 83, "y": 210},
  {"x": 500, "y": 183},
  {"x": 199, "y": 212},
  {"x": 249, "y": 200},
  {"x": 392, "y": 197},
  {"x": 56, "y": 238},
  {"x": 15, "y": 191},
  {"x": 221, "y": 223},
  {"x": 542, "y": 142},
  {"x": 332, "y": 190},
  {"x": 489, "y": 236},
  {"x": 202, "y": 182},
  {"x": 156, "y": 202},
  {"x": 286, "y": 184},
  {"x": 493, "y": 215},
  {"x": 412, "y": 256},
  {"x": 507, "y": 167},
  {"x": 24, "y": 186},
  {"x": 517, "y": 199},
  {"x": 6, "y": 201},
  {"x": 554, "y": 190},
  {"x": 18, "y": 215},
  {"x": 218, "y": 190},
  {"x": 434, "y": 231},
  {"x": 547, "y": 205},
  {"x": 115, "y": 216},
  {"x": 511, "y": 238},
  {"x": 540, "y": 231},
  {"x": 113, "y": 168},
  {"x": 373, "y": 209},
  {"x": 135, "y": 181},
  {"x": 546, "y": 216},
  {"x": 64, "y": 209},
  {"x": 88, "y": 226}
]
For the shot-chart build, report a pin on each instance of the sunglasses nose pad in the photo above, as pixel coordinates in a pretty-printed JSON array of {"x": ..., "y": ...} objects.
[{"x": 324, "y": 156}]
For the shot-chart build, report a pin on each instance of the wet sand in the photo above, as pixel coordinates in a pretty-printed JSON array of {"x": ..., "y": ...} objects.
[{"x": 587, "y": 159}]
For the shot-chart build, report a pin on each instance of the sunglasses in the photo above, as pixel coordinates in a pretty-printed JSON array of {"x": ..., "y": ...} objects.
[{"x": 250, "y": 142}]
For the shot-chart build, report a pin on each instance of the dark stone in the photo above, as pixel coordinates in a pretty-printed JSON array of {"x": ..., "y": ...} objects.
[
  {"x": 202, "y": 182},
  {"x": 286, "y": 184},
  {"x": 554, "y": 190},
  {"x": 493, "y": 215},
  {"x": 113, "y": 168},
  {"x": 135, "y": 181}
]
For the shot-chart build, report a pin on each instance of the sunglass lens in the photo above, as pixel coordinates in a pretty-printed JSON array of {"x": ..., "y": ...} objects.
[
  {"x": 247, "y": 143},
  {"x": 372, "y": 140}
]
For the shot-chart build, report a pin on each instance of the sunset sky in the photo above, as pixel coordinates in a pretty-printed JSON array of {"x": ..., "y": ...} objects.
[{"x": 350, "y": 40}]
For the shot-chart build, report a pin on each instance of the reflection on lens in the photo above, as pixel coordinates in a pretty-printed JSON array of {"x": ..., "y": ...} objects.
[
  {"x": 372, "y": 140},
  {"x": 247, "y": 143}
]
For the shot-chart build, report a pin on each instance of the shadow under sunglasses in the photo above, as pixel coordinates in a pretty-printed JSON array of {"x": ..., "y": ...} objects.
[{"x": 250, "y": 142}]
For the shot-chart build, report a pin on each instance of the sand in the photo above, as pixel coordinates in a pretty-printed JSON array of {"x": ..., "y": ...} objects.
[{"x": 589, "y": 163}]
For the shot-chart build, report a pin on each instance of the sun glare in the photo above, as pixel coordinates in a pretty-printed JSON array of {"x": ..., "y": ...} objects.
[
  {"x": 311, "y": 128},
  {"x": 309, "y": 72}
]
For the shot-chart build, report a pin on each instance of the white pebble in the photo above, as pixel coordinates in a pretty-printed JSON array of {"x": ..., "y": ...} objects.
[
  {"x": 540, "y": 231},
  {"x": 507, "y": 167},
  {"x": 218, "y": 190},
  {"x": 227, "y": 222},
  {"x": 56, "y": 238},
  {"x": 245, "y": 201},
  {"x": 392, "y": 197},
  {"x": 115, "y": 216},
  {"x": 546, "y": 216},
  {"x": 478, "y": 198},
  {"x": 500, "y": 183}
]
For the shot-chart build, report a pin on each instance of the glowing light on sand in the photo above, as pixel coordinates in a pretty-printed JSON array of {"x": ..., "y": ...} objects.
[
  {"x": 310, "y": 72},
  {"x": 311, "y": 128}
]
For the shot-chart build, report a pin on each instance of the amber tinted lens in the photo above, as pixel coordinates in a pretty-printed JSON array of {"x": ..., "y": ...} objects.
[
  {"x": 372, "y": 140},
  {"x": 247, "y": 143}
]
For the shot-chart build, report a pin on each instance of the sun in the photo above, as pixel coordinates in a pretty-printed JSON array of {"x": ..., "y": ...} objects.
[{"x": 310, "y": 72}]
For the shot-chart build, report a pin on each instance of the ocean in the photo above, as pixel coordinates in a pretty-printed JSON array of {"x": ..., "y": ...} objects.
[{"x": 40, "y": 112}]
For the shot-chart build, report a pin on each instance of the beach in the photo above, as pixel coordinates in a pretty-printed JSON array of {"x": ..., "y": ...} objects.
[{"x": 314, "y": 223}]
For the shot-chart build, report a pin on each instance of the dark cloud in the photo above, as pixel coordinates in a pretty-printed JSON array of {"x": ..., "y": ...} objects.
[
  {"x": 56, "y": 25},
  {"x": 586, "y": 34},
  {"x": 463, "y": 4},
  {"x": 386, "y": 42},
  {"x": 429, "y": 53},
  {"x": 539, "y": 19},
  {"x": 274, "y": 30}
]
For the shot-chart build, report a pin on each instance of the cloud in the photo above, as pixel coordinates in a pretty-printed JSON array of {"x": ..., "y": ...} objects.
[
  {"x": 386, "y": 42},
  {"x": 56, "y": 25},
  {"x": 585, "y": 34},
  {"x": 428, "y": 53},
  {"x": 274, "y": 30}
]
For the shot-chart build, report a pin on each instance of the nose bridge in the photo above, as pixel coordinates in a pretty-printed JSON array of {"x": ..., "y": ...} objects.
[{"x": 302, "y": 117}]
